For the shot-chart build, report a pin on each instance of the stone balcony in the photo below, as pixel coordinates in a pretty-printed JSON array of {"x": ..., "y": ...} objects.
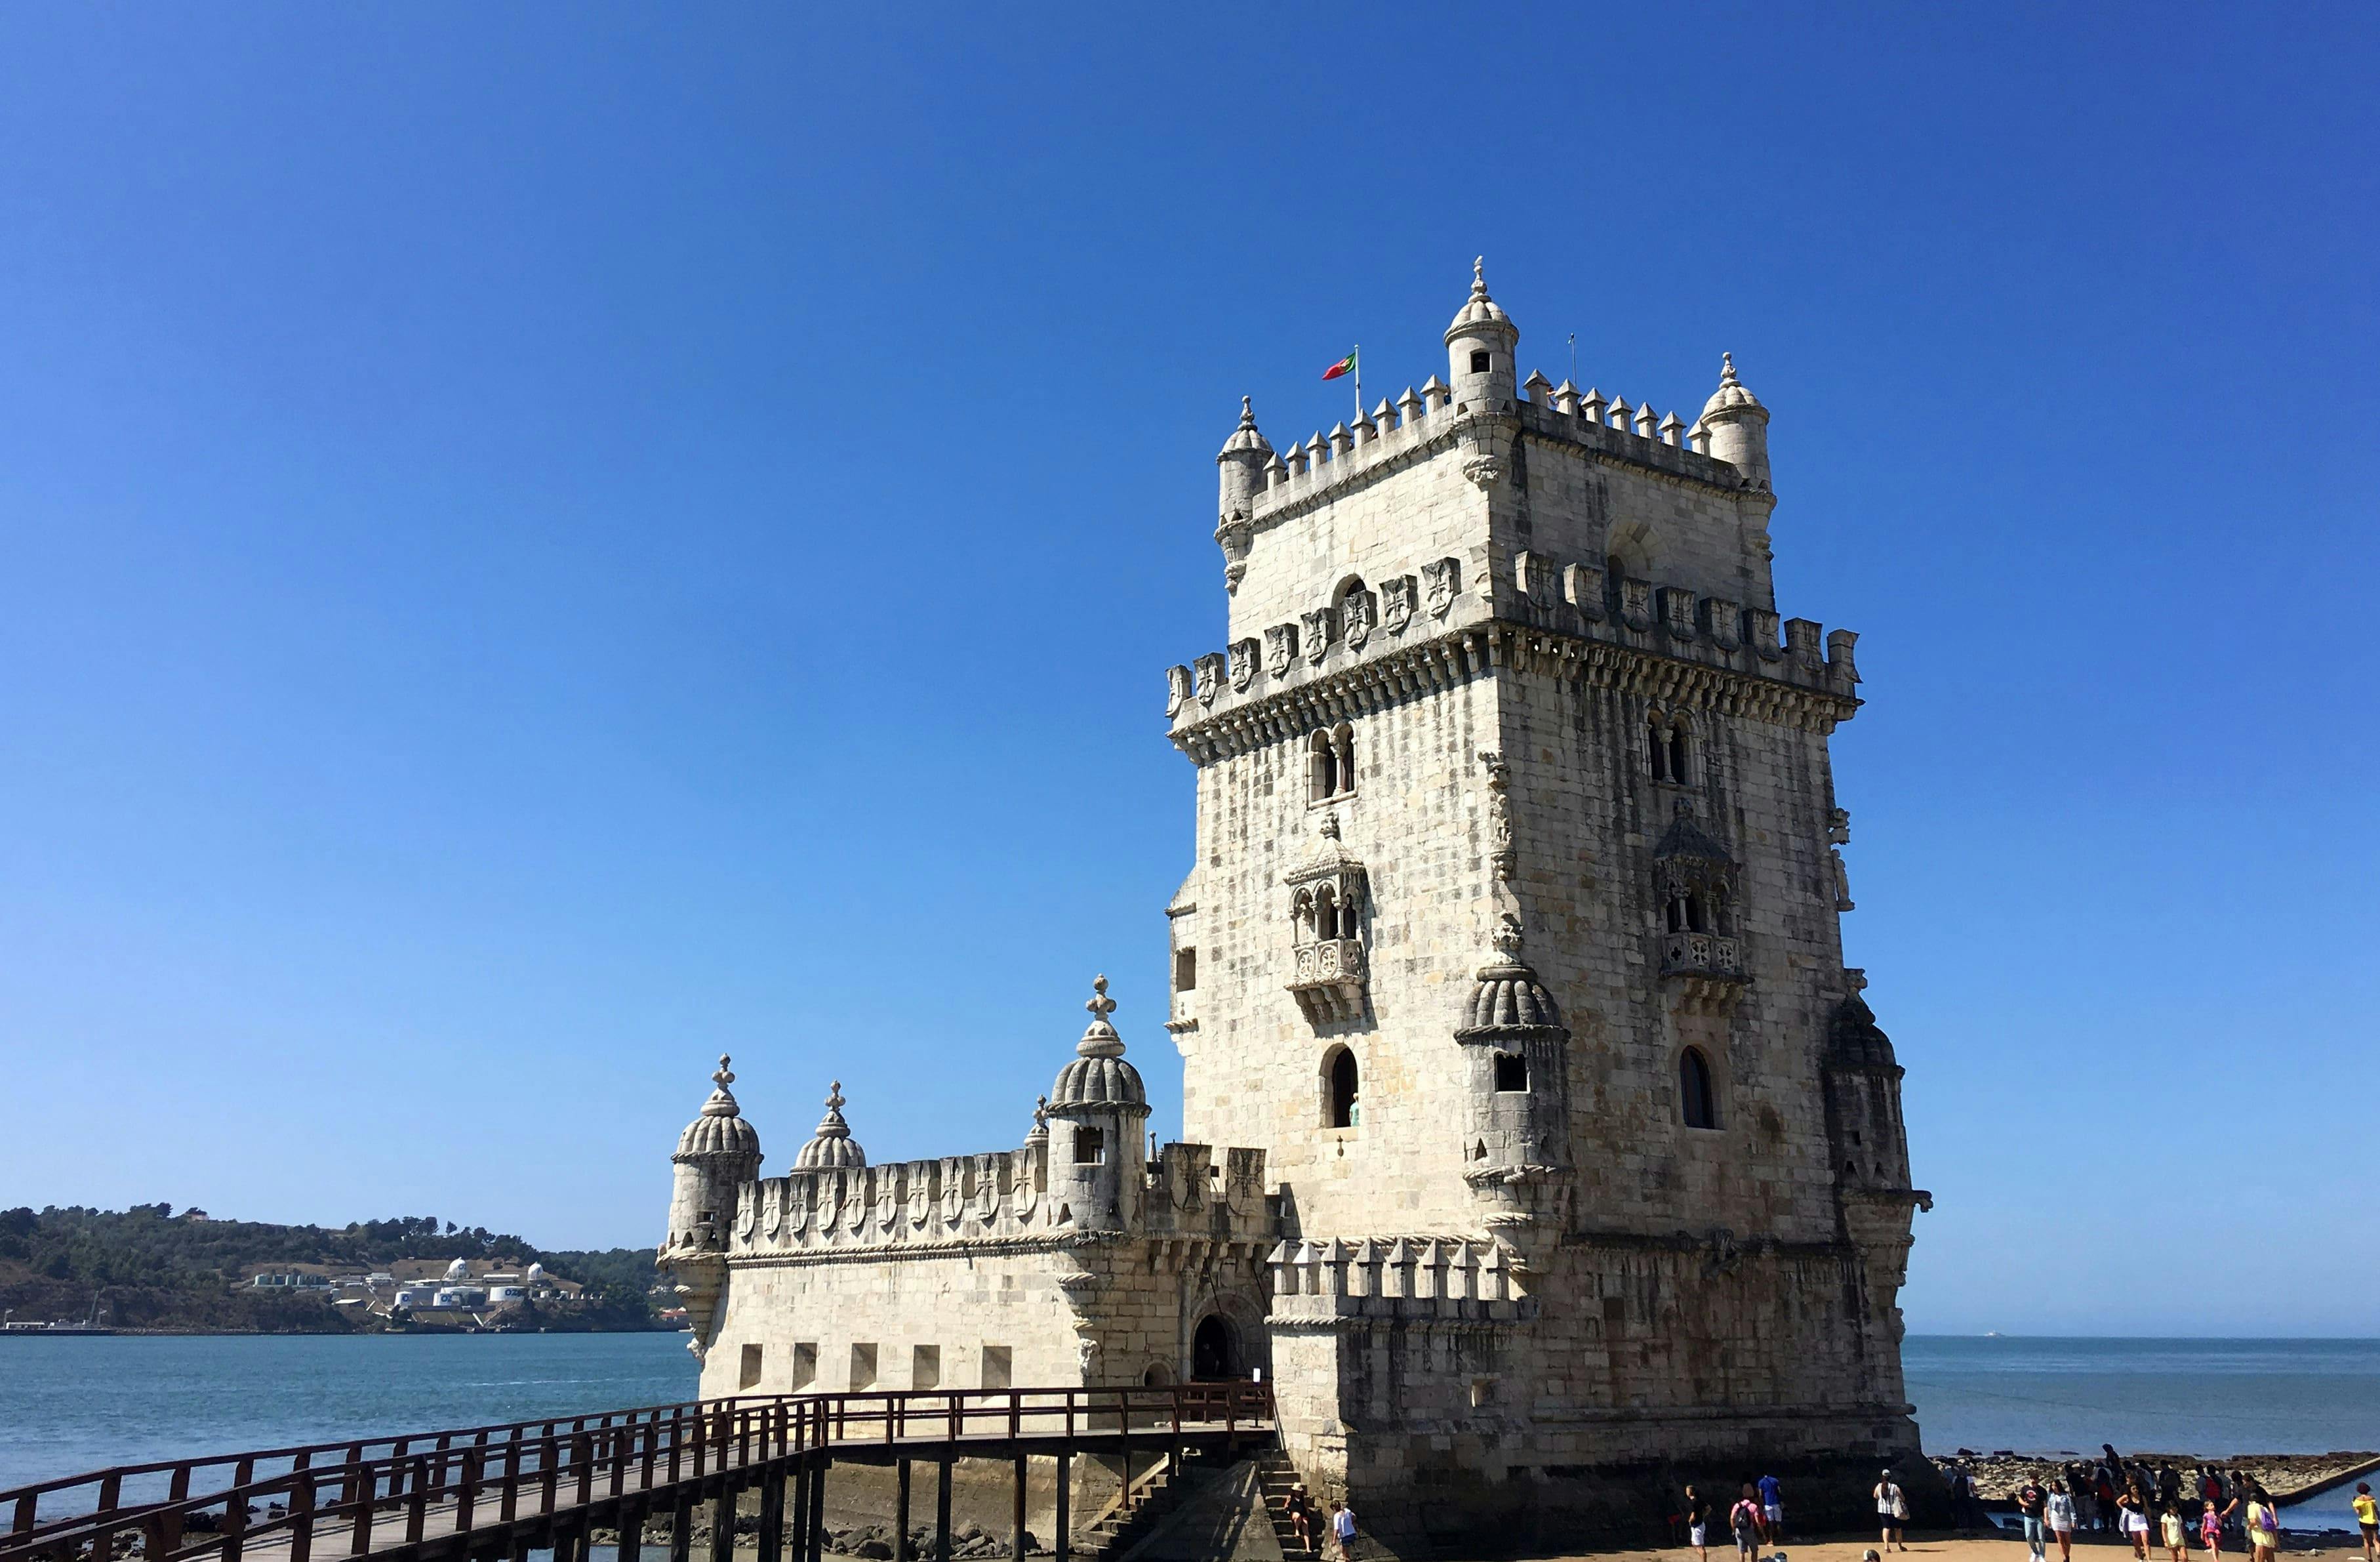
[
  {"x": 1328, "y": 980},
  {"x": 1706, "y": 968}
]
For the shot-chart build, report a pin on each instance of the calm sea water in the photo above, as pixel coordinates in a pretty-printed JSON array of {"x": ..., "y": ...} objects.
[{"x": 70, "y": 1405}]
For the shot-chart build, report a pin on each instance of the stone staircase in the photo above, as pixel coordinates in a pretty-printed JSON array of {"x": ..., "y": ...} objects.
[
  {"x": 1133, "y": 1517},
  {"x": 1277, "y": 1479}
]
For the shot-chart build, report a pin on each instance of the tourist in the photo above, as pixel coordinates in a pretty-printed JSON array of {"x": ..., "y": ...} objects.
[
  {"x": 2367, "y": 1519},
  {"x": 1892, "y": 1512},
  {"x": 2059, "y": 1516},
  {"x": 2032, "y": 1503},
  {"x": 1772, "y": 1507},
  {"x": 2264, "y": 1526},
  {"x": 1343, "y": 1530},
  {"x": 2168, "y": 1486},
  {"x": 2133, "y": 1521},
  {"x": 2174, "y": 1532},
  {"x": 2102, "y": 1490},
  {"x": 1744, "y": 1519},
  {"x": 1962, "y": 1498},
  {"x": 1698, "y": 1524},
  {"x": 2210, "y": 1531},
  {"x": 1300, "y": 1520}
]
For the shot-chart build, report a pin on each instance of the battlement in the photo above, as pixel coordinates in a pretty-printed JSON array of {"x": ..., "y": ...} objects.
[
  {"x": 1389, "y": 1277},
  {"x": 1394, "y": 434},
  {"x": 1002, "y": 1197},
  {"x": 1356, "y": 642}
]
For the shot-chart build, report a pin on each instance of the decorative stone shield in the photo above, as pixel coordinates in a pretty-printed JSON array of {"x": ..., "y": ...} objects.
[
  {"x": 1441, "y": 580},
  {"x": 1357, "y": 615},
  {"x": 798, "y": 1206},
  {"x": 1210, "y": 677},
  {"x": 1397, "y": 603},
  {"x": 1244, "y": 664},
  {"x": 1281, "y": 648},
  {"x": 1318, "y": 634},
  {"x": 887, "y": 1197},
  {"x": 1177, "y": 690},
  {"x": 772, "y": 1208}
]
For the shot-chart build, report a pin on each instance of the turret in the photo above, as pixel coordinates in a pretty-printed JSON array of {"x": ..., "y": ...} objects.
[
  {"x": 831, "y": 1146},
  {"x": 1096, "y": 1160},
  {"x": 1243, "y": 463},
  {"x": 1737, "y": 427},
  {"x": 1479, "y": 348},
  {"x": 717, "y": 1155},
  {"x": 1862, "y": 1082}
]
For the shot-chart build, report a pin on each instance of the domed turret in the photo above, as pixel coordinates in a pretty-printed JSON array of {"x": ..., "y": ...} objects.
[
  {"x": 1241, "y": 463},
  {"x": 1099, "y": 1075},
  {"x": 1515, "y": 1044},
  {"x": 1479, "y": 350},
  {"x": 1097, "y": 1161},
  {"x": 832, "y": 1144},
  {"x": 1738, "y": 426},
  {"x": 716, "y": 1155}
]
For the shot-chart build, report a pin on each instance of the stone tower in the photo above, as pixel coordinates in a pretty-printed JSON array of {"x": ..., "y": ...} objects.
[{"x": 1512, "y": 940}]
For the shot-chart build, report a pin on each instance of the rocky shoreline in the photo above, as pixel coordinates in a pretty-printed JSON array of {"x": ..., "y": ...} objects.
[{"x": 2288, "y": 1477}]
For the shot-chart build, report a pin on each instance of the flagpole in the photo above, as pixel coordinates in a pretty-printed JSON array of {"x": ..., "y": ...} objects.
[{"x": 1358, "y": 356}]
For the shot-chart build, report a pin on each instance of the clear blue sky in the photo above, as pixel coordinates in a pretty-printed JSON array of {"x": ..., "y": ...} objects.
[{"x": 543, "y": 543}]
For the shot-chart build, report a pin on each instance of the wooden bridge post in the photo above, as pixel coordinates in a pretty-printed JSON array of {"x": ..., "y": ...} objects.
[
  {"x": 632, "y": 1532},
  {"x": 815, "y": 1548},
  {"x": 801, "y": 1525},
  {"x": 1016, "y": 1514},
  {"x": 1064, "y": 1540},
  {"x": 943, "y": 1510},
  {"x": 682, "y": 1529},
  {"x": 901, "y": 1513},
  {"x": 772, "y": 1515},
  {"x": 723, "y": 1523}
]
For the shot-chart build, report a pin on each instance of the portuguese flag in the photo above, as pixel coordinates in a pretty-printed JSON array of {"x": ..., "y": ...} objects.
[{"x": 1344, "y": 366}]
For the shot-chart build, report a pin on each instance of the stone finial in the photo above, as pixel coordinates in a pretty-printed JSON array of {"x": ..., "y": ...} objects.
[
  {"x": 722, "y": 1100},
  {"x": 1039, "y": 1132},
  {"x": 831, "y": 1146},
  {"x": 1508, "y": 938},
  {"x": 1730, "y": 395},
  {"x": 1100, "y": 1038}
]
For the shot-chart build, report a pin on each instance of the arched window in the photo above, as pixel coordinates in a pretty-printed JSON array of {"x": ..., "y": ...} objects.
[
  {"x": 1678, "y": 771},
  {"x": 1322, "y": 765},
  {"x": 1665, "y": 750},
  {"x": 1344, "y": 1108},
  {"x": 1656, "y": 750},
  {"x": 1694, "y": 1091}
]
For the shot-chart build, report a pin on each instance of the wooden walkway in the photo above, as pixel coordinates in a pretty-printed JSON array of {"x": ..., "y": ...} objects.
[{"x": 490, "y": 1492}]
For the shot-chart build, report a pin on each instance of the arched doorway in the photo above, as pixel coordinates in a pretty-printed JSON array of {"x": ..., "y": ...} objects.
[{"x": 1211, "y": 1355}]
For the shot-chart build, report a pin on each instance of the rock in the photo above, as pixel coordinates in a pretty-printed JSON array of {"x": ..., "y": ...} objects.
[{"x": 875, "y": 1551}]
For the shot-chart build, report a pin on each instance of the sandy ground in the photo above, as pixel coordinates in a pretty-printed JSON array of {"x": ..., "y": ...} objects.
[{"x": 1985, "y": 1549}]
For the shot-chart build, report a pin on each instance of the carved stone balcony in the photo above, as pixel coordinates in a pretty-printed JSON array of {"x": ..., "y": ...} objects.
[
  {"x": 1328, "y": 980},
  {"x": 1704, "y": 968}
]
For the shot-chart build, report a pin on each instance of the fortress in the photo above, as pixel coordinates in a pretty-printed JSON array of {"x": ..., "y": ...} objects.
[{"x": 1542, "y": 1142}]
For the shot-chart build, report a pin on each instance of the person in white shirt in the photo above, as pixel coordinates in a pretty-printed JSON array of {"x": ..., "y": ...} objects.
[
  {"x": 1343, "y": 1530},
  {"x": 1892, "y": 1512},
  {"x": 2059, "y": 1519}
]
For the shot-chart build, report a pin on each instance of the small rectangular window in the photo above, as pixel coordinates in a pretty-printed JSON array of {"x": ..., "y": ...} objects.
[
  {"x": 1090, "y": 1147},
  {"x": 1480, "y": 362},
  {"x": 998, "y": 1366},
  {"x": 1511, "y": 1071},
  {"x": 747, "y": 1374},
  {"x": 1185, "y": 970},
  {"x": 863, "y": 1367},
  {"x": 925, "y": 1367},
  {"x": 805, "y": 1365}
]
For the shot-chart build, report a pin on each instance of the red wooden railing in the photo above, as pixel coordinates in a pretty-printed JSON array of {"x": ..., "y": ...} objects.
[{"x": 343, "y": 1498}]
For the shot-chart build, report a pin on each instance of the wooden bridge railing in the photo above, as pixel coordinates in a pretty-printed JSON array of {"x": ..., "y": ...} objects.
[{"x": 355, "y": 1498}]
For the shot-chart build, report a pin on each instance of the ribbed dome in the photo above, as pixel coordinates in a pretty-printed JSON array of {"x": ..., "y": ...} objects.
[
  {"x": 720, "y": 1130},
  {"x": 1509, "y": 995},
  {"x": 1099, "y": 1075},
  {"x": 1480, "y": 309},
  {"x": 1730, "y": 395},
  {"x": 1855, "y": 1041},
  {"x": 832, "y": 1144},
  {"x": 1245, "y": 436}
]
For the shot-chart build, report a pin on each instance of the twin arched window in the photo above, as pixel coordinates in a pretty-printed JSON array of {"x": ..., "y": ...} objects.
[
  {"x": 1692, "y": 910},
  {"x": 1668, "y": 749},
  {"x": 1696, "y": 1096},
  {"x": 1322, "y": 916},
  {"x": 1330, "y": 764}
]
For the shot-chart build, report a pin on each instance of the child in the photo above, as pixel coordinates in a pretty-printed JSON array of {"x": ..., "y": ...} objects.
[
  {"x": 2264, "y": 1526},
  {"x": 2367, "y": 1519},
  {"x": 2175, "y": 1535},
  {"x": 2210, "y": 1532}
]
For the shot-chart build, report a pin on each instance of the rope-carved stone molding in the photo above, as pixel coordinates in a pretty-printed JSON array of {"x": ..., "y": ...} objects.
[{"x": 1434, "y": 665}]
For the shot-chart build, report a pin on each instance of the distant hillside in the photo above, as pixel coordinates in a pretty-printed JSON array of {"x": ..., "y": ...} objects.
[{"x": 146, "y": 1268}]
